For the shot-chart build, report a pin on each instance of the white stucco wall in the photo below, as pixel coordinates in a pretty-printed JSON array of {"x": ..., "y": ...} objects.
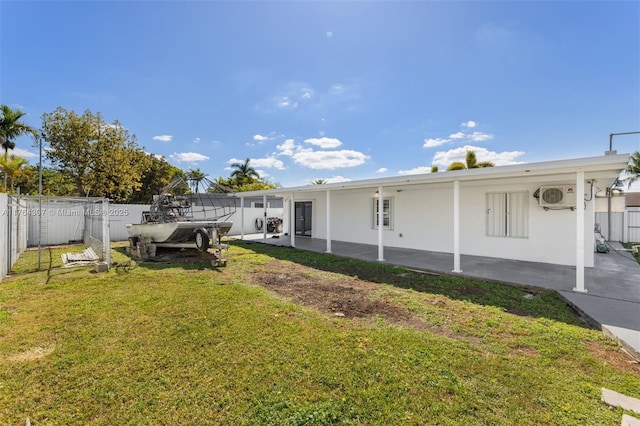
[
  {"x": 423, "y": 215},
  {"x": 617, "y": 204}
]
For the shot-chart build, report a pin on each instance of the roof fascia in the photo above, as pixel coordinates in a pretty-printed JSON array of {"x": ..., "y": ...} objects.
[{"x": 609, "y": 164}]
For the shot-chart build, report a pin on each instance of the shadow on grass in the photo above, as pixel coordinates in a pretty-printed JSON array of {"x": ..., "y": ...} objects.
[
  {"x": 166, "y": 259},
  {"x": 510, "y": 298}
]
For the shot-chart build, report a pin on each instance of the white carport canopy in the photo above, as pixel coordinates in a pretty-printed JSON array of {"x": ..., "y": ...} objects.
[{"x": 605, "y": 168}]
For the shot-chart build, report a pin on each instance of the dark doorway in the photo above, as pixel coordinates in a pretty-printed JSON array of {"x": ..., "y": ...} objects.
[{"x": 303, "y": 218}]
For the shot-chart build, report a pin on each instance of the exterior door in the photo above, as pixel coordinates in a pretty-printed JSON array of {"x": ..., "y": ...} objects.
[{"x": 303, "y": 218}]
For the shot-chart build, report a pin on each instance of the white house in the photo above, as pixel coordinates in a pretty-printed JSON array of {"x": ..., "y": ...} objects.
[{"x": 540, "y": 212}]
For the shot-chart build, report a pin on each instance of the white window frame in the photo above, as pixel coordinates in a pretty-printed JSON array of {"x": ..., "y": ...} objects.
[
  {"x": 260, "y": 204},
  {"x": 507, "y": 214},
  {"x": 386, "y": 214}
]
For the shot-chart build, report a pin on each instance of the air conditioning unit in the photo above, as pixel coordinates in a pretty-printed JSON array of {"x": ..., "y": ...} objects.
[{"x": 557, "y": 196}]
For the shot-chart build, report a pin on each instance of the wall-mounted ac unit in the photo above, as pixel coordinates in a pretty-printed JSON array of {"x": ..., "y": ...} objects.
[{"x": 557, "y": 196}]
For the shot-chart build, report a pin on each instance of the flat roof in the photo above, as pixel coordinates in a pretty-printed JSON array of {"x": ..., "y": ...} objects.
[{"x": 607, "y": 165}]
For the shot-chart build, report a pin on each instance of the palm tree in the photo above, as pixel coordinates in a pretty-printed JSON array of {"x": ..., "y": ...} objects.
[
  {"x": 318, "y": 181},
  {"x": 195, "y": 178},
  {"x": 244, "y": 172},
  {"x": 471, "y": 162},
  {"x": 456, "y": 165},
  {"x": 633, "y": 168},
  {"x": 11, "y": 128}
]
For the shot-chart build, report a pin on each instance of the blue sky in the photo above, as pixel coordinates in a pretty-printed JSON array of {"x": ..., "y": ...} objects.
[{"x": 333, "y": 90}]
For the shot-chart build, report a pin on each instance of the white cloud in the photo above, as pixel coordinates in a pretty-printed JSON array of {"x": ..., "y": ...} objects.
[
  {"x": 382, "y": 170},
  {"x": 470, "y": 124},
  {"x": 19, "y": 152},
  {"x": 163, "y": 138},
  {"x": 288, "y": 147},
  {"x": 431, "y": 143},
  {"x": 188, "y": 157},
  {"x": 479, "y": 137},
  {"x": 196, "y": 140},
  {"x": 260, "y": 138},
  {"x": 458, "y": 136},
  {"x": 269, "y": 162},
  {"x": 416, "y": 171},
  {"x": 286, "y": 102},
  {"x": 308, "y": 157},
  {"x": 445, "y": 158},
  {"x": 337, "y": 179},
  {"x": 324, "y": 142},
  {"x": 329, "y": 159},
  {"x": 302, "y": 97}
]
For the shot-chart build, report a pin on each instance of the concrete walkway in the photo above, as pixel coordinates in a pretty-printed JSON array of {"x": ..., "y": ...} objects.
[{"x": 612, "y": 301}]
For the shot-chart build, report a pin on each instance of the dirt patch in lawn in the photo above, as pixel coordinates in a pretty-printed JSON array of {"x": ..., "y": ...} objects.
[
  {"x": 343, "y": 297},
  {"x": 617, "y": 357}
]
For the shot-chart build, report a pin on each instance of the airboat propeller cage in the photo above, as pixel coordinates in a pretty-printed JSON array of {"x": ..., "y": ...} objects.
[{"x": 179, "y": 215}]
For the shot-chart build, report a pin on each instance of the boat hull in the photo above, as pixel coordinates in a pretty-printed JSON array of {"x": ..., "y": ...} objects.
[{"x": 177, "y": 232}]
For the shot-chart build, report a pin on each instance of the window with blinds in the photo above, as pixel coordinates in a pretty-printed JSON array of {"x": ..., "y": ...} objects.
[{"x": 508, "y": 214}]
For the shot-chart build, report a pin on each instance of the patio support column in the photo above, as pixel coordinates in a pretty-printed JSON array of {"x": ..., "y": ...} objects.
[
  {"x": 580, "y": 233},
  {"x": 456, "y": 226},
  {"x": 242, "y": 217},
  {"x": 380, "y": 224},
  {"x": 264, "y": 221},
  {"x": 292, "y": 221},
  {"x": 328, "y": 221}
]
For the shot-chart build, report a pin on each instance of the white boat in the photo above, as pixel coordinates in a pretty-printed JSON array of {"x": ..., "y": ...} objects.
[
  {"x": 172, "y": 219},
  {"x": 198, "y": 234}
]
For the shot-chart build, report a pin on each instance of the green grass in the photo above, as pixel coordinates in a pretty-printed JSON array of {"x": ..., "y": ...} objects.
[
  {"x": 184, "y": 344},
  {"x": 629, "y": 246}
]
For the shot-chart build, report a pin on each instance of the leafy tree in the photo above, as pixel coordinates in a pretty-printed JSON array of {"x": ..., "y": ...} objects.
[
  {"x": 254, "y": 185},
  {"x": 54, "y": 182},
  {"x": 633, "y": 168},
  {"x": 15, "y": 170},
  {"x": 434, "y": 169},
  {"x": 244, "y": 173},
  {"x": 103, "y": 159},
  {"x": 157, "y": 173}
]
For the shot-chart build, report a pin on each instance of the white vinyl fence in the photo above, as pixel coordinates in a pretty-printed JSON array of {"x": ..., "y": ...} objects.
[
  {"x": 625, "y": 226},
  {"x": 633, "y": 224},
  {"x": 69, "y": 227},
  {"x": 13, "y": 232}
]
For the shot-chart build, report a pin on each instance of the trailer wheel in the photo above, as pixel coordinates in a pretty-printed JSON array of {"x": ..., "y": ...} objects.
[
  {"x": 202, "y": 240},
  {"x": 133, "y": 242}
]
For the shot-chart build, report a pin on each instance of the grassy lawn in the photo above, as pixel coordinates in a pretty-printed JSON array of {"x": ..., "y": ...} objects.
[{"x": 181, "y": 343}]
